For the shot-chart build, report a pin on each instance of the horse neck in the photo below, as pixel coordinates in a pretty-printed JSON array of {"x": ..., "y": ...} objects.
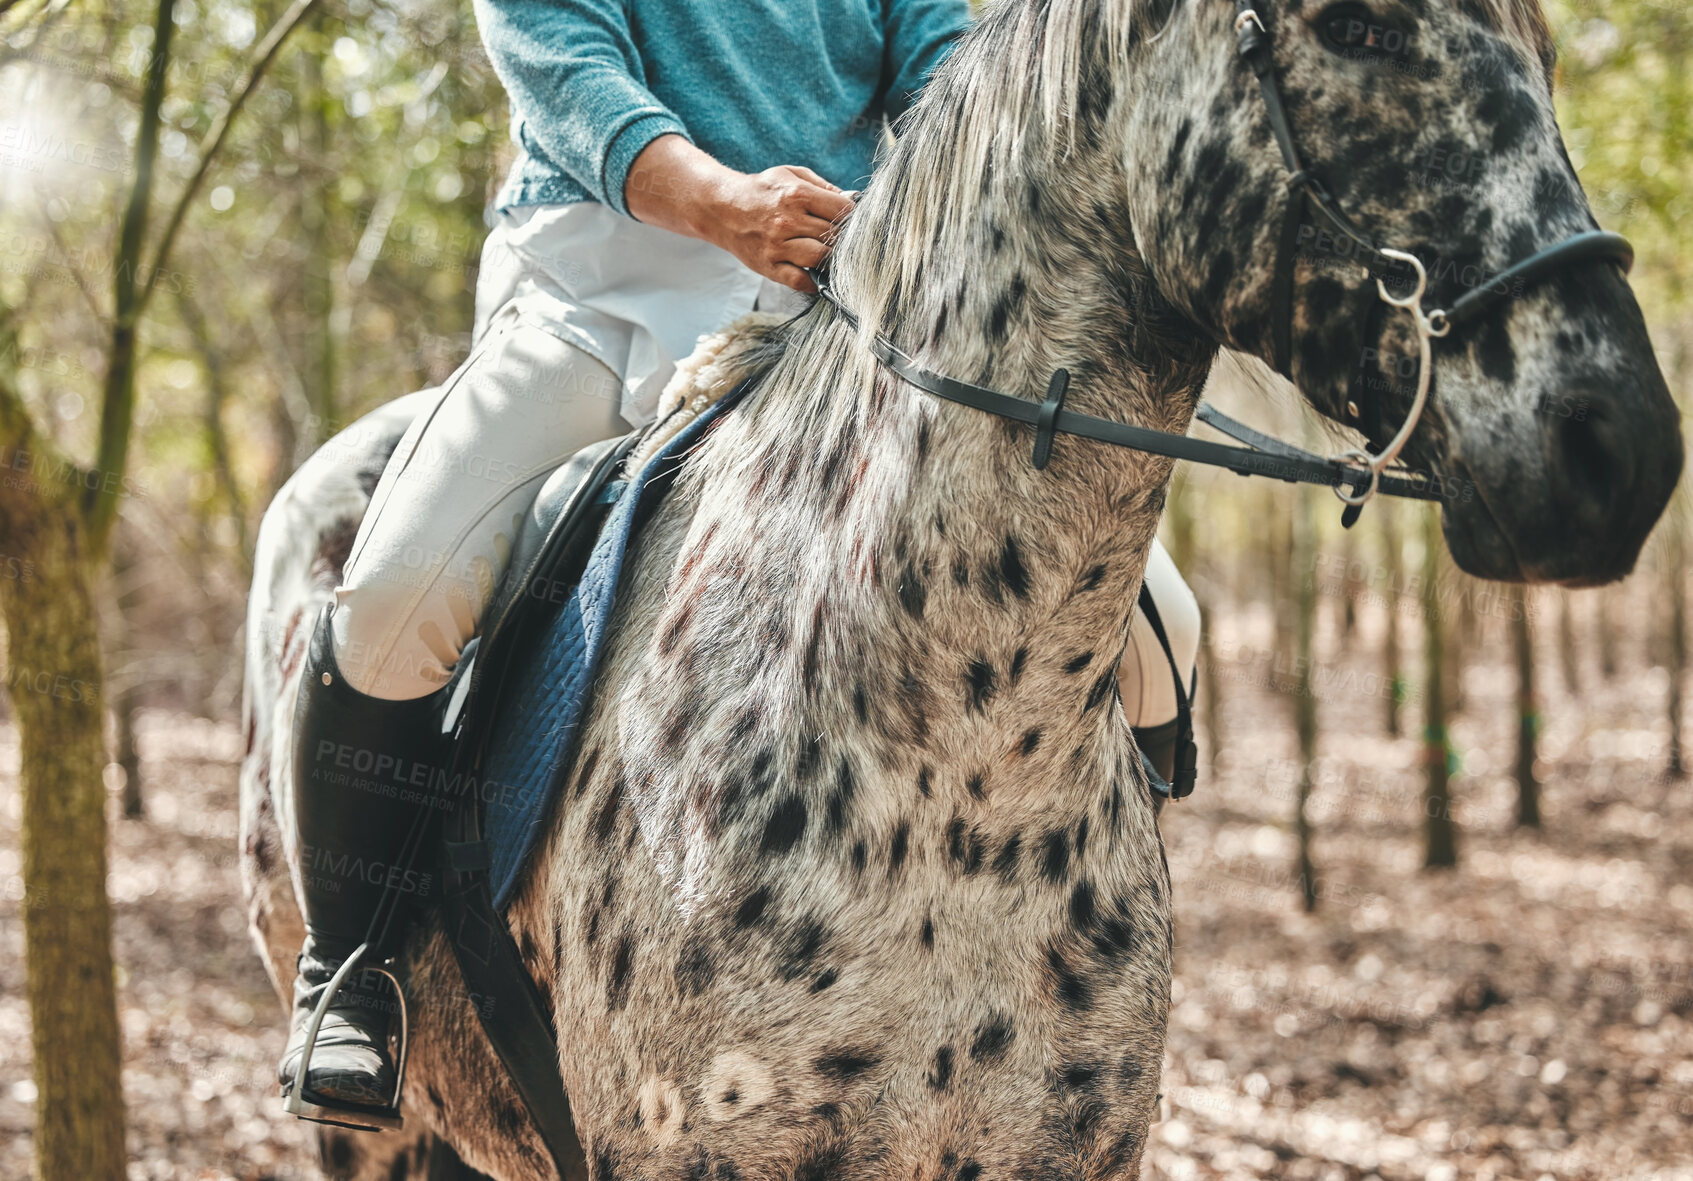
[{"x": 919, "y": 574}]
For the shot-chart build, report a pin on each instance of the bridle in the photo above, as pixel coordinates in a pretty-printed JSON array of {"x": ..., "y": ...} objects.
[{"x": 1356, "y": 475}]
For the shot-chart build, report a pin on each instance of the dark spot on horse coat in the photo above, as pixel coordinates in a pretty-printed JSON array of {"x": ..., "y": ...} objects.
[
  {"x": 973, "y": 785},
  {"x": 1055, "y": 856},
  {"x": 898, "y": 848},
  {"x": 695, "y": 970},
  {"x": 606, "y": 818},
  {"x": 927, "y": 935},
  {"x": 1080, "y": 1075},
  {"x": 1008, "y": 302},
  {"x": 1129, "y": 1073},
  {"x": 1011, "y": 570},
  {"x": 617, "y": 985},
  {"x": 1077, "y": 663},
  {"x": 825, "y": 1164},
  {"x": 1496, "y": 354},
  {"x": 979, "y": 683},
  {"x": 1019, "y": 660},
  {"x": 604, "y": 1168},
  {"x": 846, "y": 1063},
  {"x": 1005, "y": 865},
  {"x": 992, "y": 1038},
  {"x": 940, "y": 1075},
  {"x": 752, "y": 907},
  {"x": 860, "y": 704},
  {"x": 1031, "y": 740},
  {"x": 785, "y": 827},
  {"x": 1100, "y": 691},
  {"x": 800, "y": 948},
  {"x": 1081, "y": 838},
  {"x": 1178, "y": 145},
  {"x": 860, "y": 855},
  {"x": 1081, "y": 904},
  {"x": 912, "y": 593},
  {"x": 924, "y": 778},
  {"x": 1092, "y": 578},
  {"x": 960, "y": 571},
  {"x": 1072, "y": 987},
  {"x": 969, "y": 1171},
  {"x": 824, "y": 980},
  {"x": 966, "y": 850},
  {"x": 338, "y": 1148}
]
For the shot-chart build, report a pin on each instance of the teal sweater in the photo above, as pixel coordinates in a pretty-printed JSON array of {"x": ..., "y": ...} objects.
[{"x": 755, "y": 83}]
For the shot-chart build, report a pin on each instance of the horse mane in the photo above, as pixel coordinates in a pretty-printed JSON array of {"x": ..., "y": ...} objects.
[
  {"x": 1004, "y": 98},
  {"x": 1522, "y": 21}
]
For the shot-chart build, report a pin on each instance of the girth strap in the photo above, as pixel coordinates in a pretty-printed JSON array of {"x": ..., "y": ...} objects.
[{"x": 1186, "y": 770}]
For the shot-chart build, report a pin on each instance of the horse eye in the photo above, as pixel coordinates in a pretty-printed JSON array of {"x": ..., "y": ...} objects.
[{"x": 1353, "y": 30}]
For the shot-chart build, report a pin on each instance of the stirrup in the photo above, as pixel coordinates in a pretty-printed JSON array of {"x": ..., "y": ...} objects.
[{"x": 363, "y": 1119}]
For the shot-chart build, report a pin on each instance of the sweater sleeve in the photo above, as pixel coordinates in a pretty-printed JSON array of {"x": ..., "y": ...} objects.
[
  {"x": 916, "y": 36},
  {"x": 574, "y": 76}
]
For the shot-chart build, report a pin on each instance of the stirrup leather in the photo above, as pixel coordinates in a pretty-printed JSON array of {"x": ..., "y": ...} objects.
[{"x": 361, "y": 1118}]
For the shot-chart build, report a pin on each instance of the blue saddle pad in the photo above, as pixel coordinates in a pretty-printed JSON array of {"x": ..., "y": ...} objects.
[{"x": 547, "y": 683}]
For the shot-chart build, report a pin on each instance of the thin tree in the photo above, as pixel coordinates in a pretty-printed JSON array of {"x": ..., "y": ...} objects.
[
  {"x": 1568, "y": 656},
  {"x": 1528, "y": 709},
  {"x": 1393, "y": 674},
  {"x": 58, "y": 517},
  {"x": 1604, "y": 633},
  {"x": 1440, "y": 833},
  {"x": 1304, "y": 692}
]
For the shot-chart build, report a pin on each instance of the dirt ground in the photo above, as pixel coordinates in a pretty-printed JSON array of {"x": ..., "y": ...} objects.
[{"x": 1526, "y": 1017}]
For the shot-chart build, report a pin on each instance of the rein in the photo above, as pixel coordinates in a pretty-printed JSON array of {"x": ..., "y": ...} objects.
[{"x": 1357, "y": 475}]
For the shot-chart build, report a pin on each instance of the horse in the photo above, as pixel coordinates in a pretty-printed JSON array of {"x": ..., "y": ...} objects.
[{"x": 856, "y": 872}]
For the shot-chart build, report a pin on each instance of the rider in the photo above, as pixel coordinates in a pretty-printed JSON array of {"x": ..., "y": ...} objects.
[{"x": 653, "y": 200}]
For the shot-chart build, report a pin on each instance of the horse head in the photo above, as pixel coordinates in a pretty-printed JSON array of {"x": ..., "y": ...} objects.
[{"x": 1549, "y": 430}]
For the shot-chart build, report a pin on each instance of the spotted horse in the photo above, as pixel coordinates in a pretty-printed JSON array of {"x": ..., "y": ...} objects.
[{"x": 855, "y": 871}]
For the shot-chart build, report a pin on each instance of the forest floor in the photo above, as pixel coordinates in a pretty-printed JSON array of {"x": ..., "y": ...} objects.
[{"x": 1526, "y": 1016}]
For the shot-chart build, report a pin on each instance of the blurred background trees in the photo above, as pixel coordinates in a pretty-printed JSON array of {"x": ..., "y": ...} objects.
[{"x": 327, "y": 263}]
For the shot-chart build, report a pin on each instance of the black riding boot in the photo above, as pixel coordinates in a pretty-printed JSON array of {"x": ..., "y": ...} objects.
[{"x": 367, "y": 776}]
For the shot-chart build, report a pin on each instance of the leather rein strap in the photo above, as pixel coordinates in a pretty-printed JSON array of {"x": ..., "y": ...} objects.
[{"x": 1264, "y": 456}]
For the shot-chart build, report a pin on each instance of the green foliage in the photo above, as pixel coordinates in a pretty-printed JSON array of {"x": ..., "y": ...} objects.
[{"x": 1627, "y": 111}]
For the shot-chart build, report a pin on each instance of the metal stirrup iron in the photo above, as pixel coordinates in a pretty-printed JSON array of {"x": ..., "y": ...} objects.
[{"x": 373, "y": 1119}]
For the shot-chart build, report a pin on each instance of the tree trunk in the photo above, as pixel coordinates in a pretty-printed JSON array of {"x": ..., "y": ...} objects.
[
  {"x": 53, "y": 677},
  {"x": 1604, "y": 633},
  {"x": 122, "y": 685},
  {"x": 1528, "y": 711},
  {"x": 1393, "y": 675},
  {"x": 1676, "y": 576},
  {"x": 1568, "y": 657},
  {"x": 1440, "y": 846},
  {"x": 1304, "y": 696}
]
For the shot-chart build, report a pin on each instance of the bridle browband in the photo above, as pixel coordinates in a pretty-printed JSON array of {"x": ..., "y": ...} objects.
[{"x": 1356, "y": 475}]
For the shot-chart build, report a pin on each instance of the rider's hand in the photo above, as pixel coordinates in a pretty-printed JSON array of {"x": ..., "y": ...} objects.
[
  {"x": 778, "y": 221},
  {"x": 775, "y": 221}
]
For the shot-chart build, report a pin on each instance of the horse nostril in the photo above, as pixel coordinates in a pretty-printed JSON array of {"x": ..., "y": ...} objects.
[{"x": 1594, "y": 458}]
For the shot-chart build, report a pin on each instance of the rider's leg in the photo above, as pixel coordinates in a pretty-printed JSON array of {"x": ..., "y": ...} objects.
[
  {"x": 1143, "y": 677},
  {"x": 368, "y": 747}
]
